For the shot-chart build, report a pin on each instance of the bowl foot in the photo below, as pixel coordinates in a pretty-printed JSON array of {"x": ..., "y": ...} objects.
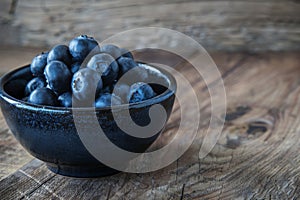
[{"x": 82, "y": 171}]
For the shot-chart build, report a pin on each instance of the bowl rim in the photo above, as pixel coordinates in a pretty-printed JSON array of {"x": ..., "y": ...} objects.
[{"x": 29, "y": 106}]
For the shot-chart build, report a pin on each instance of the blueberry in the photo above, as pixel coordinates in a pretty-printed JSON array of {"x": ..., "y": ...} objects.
[
  {"x": 65, "y": 99},
  {"x": 81, "y": 46},
  {"x": 139, "y": 92},
  {"x": 125, "y": 64},
  {"x": 121, "y": 90},
  {"x": 99, "y": 86},
  {"x": 85, "y": 84},
  {"x": 106, "y": 66},
  {"x": 35, "y": 83},
  {"x": 38, "y": 64},
  {"x": 126, "y": 53},
  {"x": 60, "y": 53},
  {"x": 106, "y": 89},
  {"x": 106, "y": 100},
  {"x": 143, "y": 73},
  {"x": 112, "y": 50},
  {"x": 43, "y": 96},
  {"x": 75, "y": 67},
  {"x": 155, "y": 76},
  {"x": 58, "y": 77},
  {"x": 136, "y": 74}
]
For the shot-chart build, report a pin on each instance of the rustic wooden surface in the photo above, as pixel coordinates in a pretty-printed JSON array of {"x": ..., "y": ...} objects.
[
  {"x": 257, "y": 156},
  {"x": 231, "y": 25}
]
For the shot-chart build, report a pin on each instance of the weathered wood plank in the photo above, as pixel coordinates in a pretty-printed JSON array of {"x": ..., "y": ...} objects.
[
  {"x": 8, "y": 30},
  {"x": 217, "y": 25},
  {"x": 257, "y": 156},
  {"x": 7, "y": 8},
  {"x": 12, "y": 155}
]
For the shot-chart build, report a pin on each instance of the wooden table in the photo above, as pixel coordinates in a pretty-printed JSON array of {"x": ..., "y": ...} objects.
[{"x": 256, "y": 157}]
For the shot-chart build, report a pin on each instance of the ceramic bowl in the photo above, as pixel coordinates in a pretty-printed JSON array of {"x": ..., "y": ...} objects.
[{"x": 49, "y": 133}]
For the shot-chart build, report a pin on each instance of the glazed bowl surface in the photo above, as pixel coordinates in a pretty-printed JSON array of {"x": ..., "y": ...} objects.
[{"x": 50, "y": 134}]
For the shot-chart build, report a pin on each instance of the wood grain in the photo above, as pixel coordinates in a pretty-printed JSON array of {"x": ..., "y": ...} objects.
[
  {"x": 256, "y": 157},
  {"x": 12, "y": 155},
  {"x": 231, "y": 25}
]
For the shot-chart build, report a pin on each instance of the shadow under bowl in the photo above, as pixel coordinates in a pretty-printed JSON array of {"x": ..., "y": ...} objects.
[{"x": 50, "y": 133}]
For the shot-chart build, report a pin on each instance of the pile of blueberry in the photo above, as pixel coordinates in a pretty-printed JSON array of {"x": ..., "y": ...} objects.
[{"x": 84, "y": 69}]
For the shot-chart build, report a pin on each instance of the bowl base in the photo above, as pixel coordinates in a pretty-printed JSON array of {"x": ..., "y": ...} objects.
[{"x": 81, "y": 171}]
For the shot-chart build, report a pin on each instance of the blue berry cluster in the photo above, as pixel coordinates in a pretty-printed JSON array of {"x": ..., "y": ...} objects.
[{"x": 83, "y": 70}]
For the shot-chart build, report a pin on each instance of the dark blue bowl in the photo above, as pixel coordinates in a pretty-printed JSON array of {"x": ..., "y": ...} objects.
[{"x": 49, "y": 133}]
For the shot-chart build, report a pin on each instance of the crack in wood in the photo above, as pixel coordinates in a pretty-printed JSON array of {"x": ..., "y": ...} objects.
[
  {"x": 182, "y": 192},
  {"x": 13, "y": 7},
  {"x": 40, "y": 184},
  {"x": 238, "y": 112}
]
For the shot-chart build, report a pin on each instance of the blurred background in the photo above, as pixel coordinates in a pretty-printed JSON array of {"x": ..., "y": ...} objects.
[
  {"x": 28, "y": 27},
  {"x": 227, "y": 25}
]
